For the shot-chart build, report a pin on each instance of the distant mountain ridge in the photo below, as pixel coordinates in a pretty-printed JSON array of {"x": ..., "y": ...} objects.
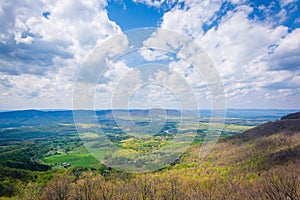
[
  {"x": 37, "y": 117},
  {"x": 292, "y": 116},
  {"x": 289, "y": 124},
  {"x": 44, "y": 117}
]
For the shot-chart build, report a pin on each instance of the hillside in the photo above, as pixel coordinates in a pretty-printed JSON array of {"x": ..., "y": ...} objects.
[
  {"x": 260, "y": 163},
  {"x": 279, "y": 140},
  {"x": 289, "y": 124}
]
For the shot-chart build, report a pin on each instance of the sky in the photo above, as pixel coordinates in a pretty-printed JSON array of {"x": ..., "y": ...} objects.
[{"x": 254, "y": 46}]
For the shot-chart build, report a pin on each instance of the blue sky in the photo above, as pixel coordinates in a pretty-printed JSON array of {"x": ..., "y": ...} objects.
[
  {"x": 129, "y": 15},
  {"x": 254, "y": 45}
]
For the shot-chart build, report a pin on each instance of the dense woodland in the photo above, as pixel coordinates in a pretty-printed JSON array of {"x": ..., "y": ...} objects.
[{"x": 261, "y": 163}]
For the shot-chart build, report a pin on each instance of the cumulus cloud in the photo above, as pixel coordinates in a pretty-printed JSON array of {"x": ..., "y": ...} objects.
[
  {"x": 253, "y": 46},
  {"x": 43, "y": 44},
  {"x": 190, "y": 19},
  {"x": 239, "y": 41},
  {"x": 31, "y": 91},
  {"x": 30, "y": 42},
  {"x": 286, "y": 56},
  {"x": 250, "y": 52}
]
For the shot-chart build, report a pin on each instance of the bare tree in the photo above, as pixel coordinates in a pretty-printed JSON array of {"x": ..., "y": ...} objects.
[
  {"x": 58, "y": 188},
  {"x": 282, "y": 184}
]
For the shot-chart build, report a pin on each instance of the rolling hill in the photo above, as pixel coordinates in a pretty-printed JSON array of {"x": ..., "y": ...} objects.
[{"x": 260, "y": 163}]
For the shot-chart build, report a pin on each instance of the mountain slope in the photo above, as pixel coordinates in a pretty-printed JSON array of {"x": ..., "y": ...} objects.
[
  {"x": 262, "y": 163},
  {"x": 288, "y": 125},
  {"x": 275, "y": 143}
]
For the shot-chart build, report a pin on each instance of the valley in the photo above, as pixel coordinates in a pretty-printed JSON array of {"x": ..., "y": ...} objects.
[{"x": 38, "y": 147}]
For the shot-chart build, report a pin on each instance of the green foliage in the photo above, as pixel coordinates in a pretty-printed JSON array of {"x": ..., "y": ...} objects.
[{"x": 50, "y": 162}]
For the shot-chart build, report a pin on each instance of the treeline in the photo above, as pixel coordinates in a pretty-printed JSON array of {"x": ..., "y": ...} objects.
[{"x": 275, "y": 184}]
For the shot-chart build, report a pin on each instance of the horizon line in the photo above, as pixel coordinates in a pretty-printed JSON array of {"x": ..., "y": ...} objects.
[{"x": 123, "y": 109}]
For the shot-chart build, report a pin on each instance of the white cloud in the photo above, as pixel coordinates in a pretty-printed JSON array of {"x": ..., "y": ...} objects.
[
  {"x": 116, "y": 71},
  {"x": 286, "y": 56},
  {"x": 73, "y": 28},
  {"x": 154, "y": 54},
  {"x": 244, "y": 50},
  {"x": 191, "y": 66},
  {"x": 31, "y": 91},
  {"x": 40, "y": 55},
  {"x": 258, "y": 60},
  {"x": 287, "y": 2},
  {"x": 239, "y": 41},
  {"x": 158, "y": 3},
  {"x": 192, "y": 17}
]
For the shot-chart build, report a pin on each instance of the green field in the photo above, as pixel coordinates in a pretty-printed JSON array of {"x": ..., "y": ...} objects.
[
  {"x": 127, "y": 147},
  {"x": 78, "y": 157}
]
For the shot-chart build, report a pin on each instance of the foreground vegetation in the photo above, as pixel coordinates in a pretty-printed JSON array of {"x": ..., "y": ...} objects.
[
  {"x": 276, "y": 183},
  {"x": 261, "y": 163},
  {"x": 265, "y": 168}
]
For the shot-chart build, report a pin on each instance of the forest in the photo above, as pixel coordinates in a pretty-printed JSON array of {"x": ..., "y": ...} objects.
[{"x": 251, "y": 160}]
